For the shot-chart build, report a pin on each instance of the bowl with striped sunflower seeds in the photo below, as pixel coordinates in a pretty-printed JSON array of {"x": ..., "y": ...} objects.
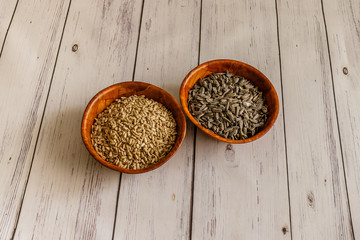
[
  {"x": 229, "y": 100},
  {"x": 133, "y": 127}
]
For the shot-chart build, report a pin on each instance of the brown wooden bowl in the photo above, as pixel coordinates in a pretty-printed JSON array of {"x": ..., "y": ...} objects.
[
  {"x": 241, "y": 69},
  {"x": 125, "y": 89}
]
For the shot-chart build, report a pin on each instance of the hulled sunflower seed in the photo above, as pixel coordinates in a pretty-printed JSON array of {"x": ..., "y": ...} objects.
[{"x": 134, "y": 132}]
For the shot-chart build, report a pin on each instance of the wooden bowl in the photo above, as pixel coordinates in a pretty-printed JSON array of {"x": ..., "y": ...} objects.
[
  {"x": 125, "y": 89},
  {"x": 241, "y": 69}
]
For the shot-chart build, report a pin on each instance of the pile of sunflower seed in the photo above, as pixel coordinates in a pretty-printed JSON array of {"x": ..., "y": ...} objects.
[
  {"x": 228, "y": 105},
  {"x": 134, "y": 132}
]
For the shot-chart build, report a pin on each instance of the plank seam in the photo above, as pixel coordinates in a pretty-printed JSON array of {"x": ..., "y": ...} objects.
[
  {"x": 116, "y": 206},
  {"x": 337, "y": 119},
  {"x": 7, "y": 30},
  {"x": 192, "y": 188},
  {"x": 283, "y": 110},
  {"x": 41, "y": 121},
  {"x": 194, "y": 148},
  {"x": 200, "y": 23},
  {"x": 138, "y": 40}
]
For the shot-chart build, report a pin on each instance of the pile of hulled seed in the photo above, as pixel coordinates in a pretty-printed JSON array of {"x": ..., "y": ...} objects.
[
  {"x": 228, "y": 105},
  {"x": 134, "y": 132}
]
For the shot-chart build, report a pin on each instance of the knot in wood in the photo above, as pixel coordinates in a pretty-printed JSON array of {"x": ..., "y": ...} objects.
[
  {"x": 311, "y": 199},
  {"x": 229, "y": 147},
  {"x": 75, "y": 47}
]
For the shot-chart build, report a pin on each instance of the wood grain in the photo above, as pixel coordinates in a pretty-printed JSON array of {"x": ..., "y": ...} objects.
[
  {"x": 156, "y": 205},
  {"x": 69, "y": 194},
  {"x": 319, "y": 205},
  {"x": 240, "y": 191},
  {"x": 26, "y": 66},
  {"x": 7, "y": 8},
  {"x": 343, "y": 27}
]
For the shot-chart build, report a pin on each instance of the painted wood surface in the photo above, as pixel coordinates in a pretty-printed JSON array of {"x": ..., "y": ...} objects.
[
  {"x": 290, "y": 184},
  {"x": 240, "y": 191},
  {"x": 156, "y": 205},
  {"x": 26, "y": 67},
  {"x": 69, "y": 194},
  {"x": 7, "y": 8},
  {"x": 318, "y": 199},
  {"x": 343, "y": 27}
]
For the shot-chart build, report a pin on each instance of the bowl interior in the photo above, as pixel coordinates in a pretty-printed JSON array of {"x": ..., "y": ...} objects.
[
  {"x": 241, "y": 69},
  {"x": 125, "y": 89}
]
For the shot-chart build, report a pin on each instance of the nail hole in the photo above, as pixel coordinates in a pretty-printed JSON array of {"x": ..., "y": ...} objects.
[
  {"x": 75, "y": 47},
  {"x": 284, "y": 230},
  {"x": 345, "y": 71}
]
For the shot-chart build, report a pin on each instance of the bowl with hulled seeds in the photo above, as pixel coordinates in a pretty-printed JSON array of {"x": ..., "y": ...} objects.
[
  {"x": 229, "y": 100},
  {"x": 133, "y": 127}
]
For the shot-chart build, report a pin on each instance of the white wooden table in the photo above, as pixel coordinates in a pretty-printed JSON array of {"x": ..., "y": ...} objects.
[{"x": 300, "y": 181}]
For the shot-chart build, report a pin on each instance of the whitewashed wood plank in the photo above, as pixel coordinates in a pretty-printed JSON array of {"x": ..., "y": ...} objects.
[
  {"x": 156, "y": 205},
  {"x": 7, "y": 8},
  {"x": 26, "y": 67},
  {"x": 69, "y": 194},
  {"x": 343, "y": 26},
  {"x": 240, "y": 191},
  {"x": 319, "y": 205}
]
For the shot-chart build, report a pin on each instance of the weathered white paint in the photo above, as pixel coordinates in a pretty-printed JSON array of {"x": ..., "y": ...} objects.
[
  {"x": 7, "y": 8},
  {"x": 26, "y": 67},
  {"x": 343, "y": 26},
  {"x": 319, "y": 205},
  {"x": 69, "y": 195},
  {"x": 156, "y": 205},
  {"x": 241, "y": 190}
]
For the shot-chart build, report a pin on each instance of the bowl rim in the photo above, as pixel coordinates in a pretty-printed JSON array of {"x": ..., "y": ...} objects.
[
  {"x": 183, "y": 100},
  {"x": 179, "y": 139}
]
